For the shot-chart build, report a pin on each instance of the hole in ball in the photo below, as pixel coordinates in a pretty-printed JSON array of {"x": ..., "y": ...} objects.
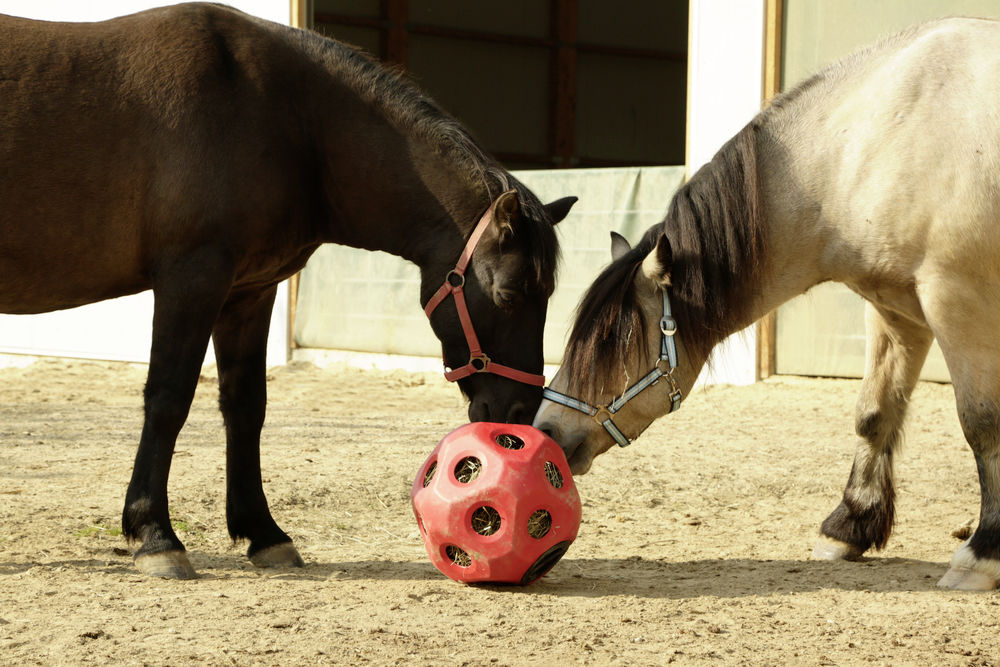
[
  {"x": 545, "y": 562},
  {"x": 508, "y": 441},
  {"x": 457, "y": 556},
  {"x": 429, "y": 475},
  {"x": 486, "y": 520},
  {"x": 553, "y": 475},
  {"x": 539, "y": 524},
  {"x": 468, "y": 469}
]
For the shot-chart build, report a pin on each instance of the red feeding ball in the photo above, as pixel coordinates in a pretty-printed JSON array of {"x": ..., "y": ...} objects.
[{"x": 496, "y": 503}]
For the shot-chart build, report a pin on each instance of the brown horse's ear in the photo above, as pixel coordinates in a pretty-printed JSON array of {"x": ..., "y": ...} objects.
[
  {"x": 619, "y": 246},
  {"x": 506, "y": 210},
  {"x": 658, "y": 264},
  {"x": 559, "y": 208}
]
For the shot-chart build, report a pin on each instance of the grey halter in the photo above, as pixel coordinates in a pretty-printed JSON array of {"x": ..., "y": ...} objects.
[{"x": 603, "y": 415}]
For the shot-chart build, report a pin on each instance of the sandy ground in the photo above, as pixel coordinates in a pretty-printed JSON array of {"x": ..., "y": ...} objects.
[{"x": 694, "y": 547}]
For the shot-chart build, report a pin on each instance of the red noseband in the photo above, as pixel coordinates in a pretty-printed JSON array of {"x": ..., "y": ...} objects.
[{"x": 454, "y": 284}]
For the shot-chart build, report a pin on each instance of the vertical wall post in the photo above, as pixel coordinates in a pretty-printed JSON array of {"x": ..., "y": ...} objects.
[
  {"x": 564, "y": 66},
  {"x": 767, "y": 326}
]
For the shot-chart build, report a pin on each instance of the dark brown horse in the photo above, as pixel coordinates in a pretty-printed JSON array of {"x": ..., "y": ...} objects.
[{"x": 205, "y": 155}]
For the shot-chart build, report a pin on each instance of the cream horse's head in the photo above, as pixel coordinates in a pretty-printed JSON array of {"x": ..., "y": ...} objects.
[{"x": 624, "y": 362}]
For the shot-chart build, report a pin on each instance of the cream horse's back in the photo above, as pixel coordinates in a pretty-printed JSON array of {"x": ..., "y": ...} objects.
[
  {"x": 881, "y": 172},
  {"x": 897, "y": 150}
]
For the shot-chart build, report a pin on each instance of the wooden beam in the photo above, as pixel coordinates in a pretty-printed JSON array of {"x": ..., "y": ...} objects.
[
  {"x": 397, "y": 38},
  {"x": 300, "y": 17},
  {"x": 562, "y": 106},
  {"x": 299, "y": 13},
  {"x": 772, "y": 48},
  {"x": 768, "y": 325}
]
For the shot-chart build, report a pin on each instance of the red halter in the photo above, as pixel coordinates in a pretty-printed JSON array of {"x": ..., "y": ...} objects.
[{"x": 454, "y": 284}]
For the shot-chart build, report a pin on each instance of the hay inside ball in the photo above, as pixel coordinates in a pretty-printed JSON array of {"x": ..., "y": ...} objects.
[{"x": 496, "y": 503}]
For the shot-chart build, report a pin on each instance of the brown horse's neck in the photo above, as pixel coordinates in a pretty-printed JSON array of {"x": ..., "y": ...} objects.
[
  {"x": 391, "y": 178},
  {"x": 417, "y": 209}
]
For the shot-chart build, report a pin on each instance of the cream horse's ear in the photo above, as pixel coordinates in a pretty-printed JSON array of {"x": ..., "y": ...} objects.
[
  {"x": 619, "y": 246},
  {"x": 658, "y": 264}
]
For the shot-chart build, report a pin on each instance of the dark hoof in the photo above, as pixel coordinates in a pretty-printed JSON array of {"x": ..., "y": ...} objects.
[
  {"x": 280, "y": 555},
  {"x": 166, "y": 564}
]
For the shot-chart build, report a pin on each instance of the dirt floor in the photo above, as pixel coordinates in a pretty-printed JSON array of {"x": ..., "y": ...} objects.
[{"x": 694, "y": 547}]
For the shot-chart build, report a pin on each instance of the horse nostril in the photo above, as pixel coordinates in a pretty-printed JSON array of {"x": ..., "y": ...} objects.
[
  {"x": 548, "y": 429},
  {"x": 479, "y": 411},
  {"x": 518, "y": 415}
]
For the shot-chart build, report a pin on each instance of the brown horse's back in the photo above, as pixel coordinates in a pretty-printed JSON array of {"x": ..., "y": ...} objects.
[{"x": 127, "y": 139}]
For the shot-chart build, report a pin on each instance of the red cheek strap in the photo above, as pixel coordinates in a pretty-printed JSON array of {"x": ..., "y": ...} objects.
[{"x": 454, "y": 284}]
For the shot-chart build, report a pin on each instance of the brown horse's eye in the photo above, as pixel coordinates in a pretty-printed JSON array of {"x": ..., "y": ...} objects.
[{"x": 506, "y": 298}]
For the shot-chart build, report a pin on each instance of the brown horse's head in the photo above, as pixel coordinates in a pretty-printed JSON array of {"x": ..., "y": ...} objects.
[{"x": 505, "y": 291}]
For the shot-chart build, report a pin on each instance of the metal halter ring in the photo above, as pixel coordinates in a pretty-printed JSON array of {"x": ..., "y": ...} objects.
[{"x": 480, "y": 362}]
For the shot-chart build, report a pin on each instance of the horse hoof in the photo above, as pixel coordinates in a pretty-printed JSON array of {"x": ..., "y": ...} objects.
[
  {"x": 280, "y": 555},
  {"x": 166, "y": 564},
  {"x": 969, "y": 573},
  {"x": 962, "y": 579},
  {"x": 828, "y": 548}
]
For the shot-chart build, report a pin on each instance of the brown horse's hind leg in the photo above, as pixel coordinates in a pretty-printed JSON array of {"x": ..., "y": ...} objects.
[
  {"x": 240, "y": 337},
  {"x": 895, "y": 354},
  {"x": 188, "y": 294}
]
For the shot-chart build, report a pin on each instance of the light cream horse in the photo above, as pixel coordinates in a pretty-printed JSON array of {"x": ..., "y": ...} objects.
[{"x": 881, "y": 172}]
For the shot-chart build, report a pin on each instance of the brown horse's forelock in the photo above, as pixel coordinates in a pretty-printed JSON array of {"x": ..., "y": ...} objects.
[
  {"x": 538, "y": 235},
  {"x": 715, "y": 228},
  {"x": 411, "y": 110}
]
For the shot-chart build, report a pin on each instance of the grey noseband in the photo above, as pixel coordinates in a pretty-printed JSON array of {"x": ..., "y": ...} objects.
[{"x": 603, "y": 415}]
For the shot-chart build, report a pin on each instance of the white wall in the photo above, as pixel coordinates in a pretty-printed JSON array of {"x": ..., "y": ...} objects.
[
  {"x": 119, "y": 329},
  {"x": 725, "y": 85}
]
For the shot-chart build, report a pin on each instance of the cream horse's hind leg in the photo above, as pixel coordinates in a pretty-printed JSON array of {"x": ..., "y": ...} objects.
[
  {"x": 895, "y": 353},
  {"x": 966, "y": 322}
]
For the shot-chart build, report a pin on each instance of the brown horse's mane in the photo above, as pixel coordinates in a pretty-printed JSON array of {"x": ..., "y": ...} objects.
[
  {"x": 409, "y": 109},
  {"x": 715, "y": 228}
]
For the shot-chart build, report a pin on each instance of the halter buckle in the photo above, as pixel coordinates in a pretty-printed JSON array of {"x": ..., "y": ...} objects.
[
  {"x": 602, "y": 415},
  {"x": 668, "y": 325},
  {"x": 479, "y": 362},
  {"x": 455, "y": 279},
  {"x": 668, "y": 374}
]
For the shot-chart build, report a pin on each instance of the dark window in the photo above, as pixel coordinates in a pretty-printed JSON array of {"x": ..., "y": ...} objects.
[{"x": 563, "y": 83}]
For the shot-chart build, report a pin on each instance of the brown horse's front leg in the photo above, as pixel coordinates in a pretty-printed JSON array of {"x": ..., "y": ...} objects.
[
  {"x": 188, "y": 293},
  {"x": 240, "y": 338},
  {"x": 864, "y": 519}
]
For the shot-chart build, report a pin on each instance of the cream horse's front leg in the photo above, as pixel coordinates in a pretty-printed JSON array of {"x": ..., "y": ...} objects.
[{"x": 895, "y": 353}]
